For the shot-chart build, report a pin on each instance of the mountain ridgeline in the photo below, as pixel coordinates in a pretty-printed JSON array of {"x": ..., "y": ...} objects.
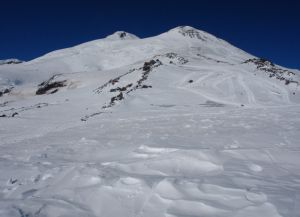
[{"x": 120, "y": 67}]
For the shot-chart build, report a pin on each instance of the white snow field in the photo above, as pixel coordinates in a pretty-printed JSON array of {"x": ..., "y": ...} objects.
[{"x": 182, "y": 124}]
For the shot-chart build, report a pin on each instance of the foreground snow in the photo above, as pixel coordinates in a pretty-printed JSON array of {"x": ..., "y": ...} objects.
[
  {"x": 150, "y": 127},
  {"x": 190, "y": 161}
]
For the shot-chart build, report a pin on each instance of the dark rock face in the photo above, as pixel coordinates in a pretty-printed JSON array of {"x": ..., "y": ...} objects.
[
  {"x": 119, "y": 97},
  {"x": 260, "y": 62},
  {"x": 14, "y": 114},
  {"x": 123, "y": 91},
  {"x": 146, "y": 86},
  {"x": 122, "y": 34},
  {"x": 147, "y": 65},
  {"x": 121, "y": 88},
  {"x": 9, "y": 116},
  {"x": 45, "y": 88},
  {"x": 50, "y": 84},
  {"x": 5, "y": 91},
  {"x": 272, "y": 70}
]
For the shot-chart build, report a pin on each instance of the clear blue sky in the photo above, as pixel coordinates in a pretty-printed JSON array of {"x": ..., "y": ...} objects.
[{"x": 269, "y": 29}]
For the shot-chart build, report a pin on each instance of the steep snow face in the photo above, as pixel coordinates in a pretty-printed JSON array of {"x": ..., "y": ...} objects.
[
  {"x": 206, "y": 44},
  {"x": 123, "y": 48},
  {"x": 191, "y": 32},
  {"x": 180, "y": 124}
]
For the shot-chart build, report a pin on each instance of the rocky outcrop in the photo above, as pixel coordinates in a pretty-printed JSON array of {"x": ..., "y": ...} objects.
[
  {"x": 272, "y": 70},
  {"x": 5, "y": 91},
  {"x": 50, "y": 86}
]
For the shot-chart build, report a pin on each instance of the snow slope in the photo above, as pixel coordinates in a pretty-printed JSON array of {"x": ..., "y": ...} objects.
[{"x": 180, "y": 124}]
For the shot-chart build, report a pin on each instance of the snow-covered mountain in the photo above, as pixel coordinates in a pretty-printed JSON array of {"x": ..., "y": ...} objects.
[{"x": 180, "y": 124}]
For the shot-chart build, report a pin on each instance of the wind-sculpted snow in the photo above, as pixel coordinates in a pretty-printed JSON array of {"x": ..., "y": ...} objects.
[
  {"x": 181, "y": 124},
  {"x": 168, "y": 161}
]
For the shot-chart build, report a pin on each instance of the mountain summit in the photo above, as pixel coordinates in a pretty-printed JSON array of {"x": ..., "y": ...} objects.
[
  {"x": 179, "y": 124},
  {"x": 122, "y": 35}
]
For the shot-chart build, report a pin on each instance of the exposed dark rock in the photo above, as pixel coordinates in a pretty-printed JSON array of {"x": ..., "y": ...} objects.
[
  {"x": 260, "y": 62},
  {"x": 287, "y": 82},
  {"x": 119, "y": 97},
  {"x": 56, "y": 84},
  {"x": 146, "y": 86},
  {"x": 145, "y": 70},
  {"x": 5, "y": 91},
  {"x": 148, "y": 66},
  {"x": 114, "y": 89},
  {"x": 12, "y": 181},
  {"x": 14, "y": 114},
  {"x": 50, "y": 84},
  {"x": 54, "y": 91},
  {"x": 176, "y": 58},
  {"x": 272, "y": 70},
  {"x": 123, "y": 35},
  {"x": 121, "y": 88},
  {"x": 191, "y": 81}
]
